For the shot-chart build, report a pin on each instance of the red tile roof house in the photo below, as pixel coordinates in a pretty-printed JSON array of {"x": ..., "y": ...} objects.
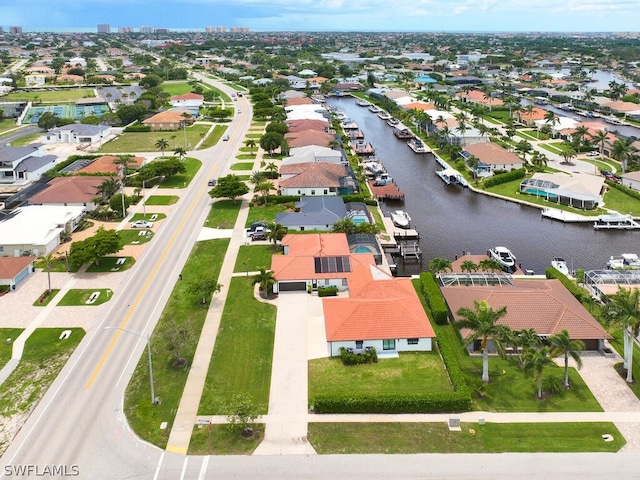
[
  {"x": 15, "y": 269},
  {"x": 304, "y": 138},
  {"x": 493, "y": 157},
  {"x": 169, "y": 120},
  {"x": 373, "y": 309},
  {"x": 544, "y": 305},
  {"x": 78, "y": 191},
  {"x": 315, "y": 179},
  {"x": 187, "y": 100}
]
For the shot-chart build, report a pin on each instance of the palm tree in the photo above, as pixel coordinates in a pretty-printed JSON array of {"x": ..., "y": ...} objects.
[
  {"x": 123, "y": 161},
  {"x": 489, "y": 265},
  {"x": 173, "y": 140},
  {"x": 264, "y": 187},
  {"x": 162, "y": 144},
  {"x": 463, "y": 126},
  {"x": 580, "y": 132},
  {"x": 524, "y": 339},
  {"x": 622, "y": 151},
  {"x": 256, "y": 177},
  {"x": 539, "y": 159},
  {"x": 469, "y": 266},
  {"x": 568, "y": 154},
  {"x": 272, "y": 168},
  {"x": 600, "y": 139},
  {"x": 481, "y": 320},
  {"x": 107, "y": 188},
  {"x": 524, "y": 147},
  {"x": 562, "y": 345},
  {"x": 438, "y": 265},
  {"x": 551, "y": 119},
  {"x": 251, "y": 144},
  {"x": 276, "y": 232},
  {"x": 623, "y": 310},
  {"x": 48, "y": 260},
  {"x": 537, "y": 359},
  {"x": 180, "y": 152},
  {"x": 265, "y": 279}
]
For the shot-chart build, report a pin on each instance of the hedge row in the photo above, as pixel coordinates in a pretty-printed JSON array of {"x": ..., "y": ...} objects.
[
  {"x": 623, "y": 189},
  {"x": 455, "y": 374},
  {"x": 391, "y": 403},
  {"x": 576, "y": 291},
  {"x": 433, "y": 297},
  {"x": 505, "y": 177},
  {"x": 137, "y": 128},
  {"x": 296, "y": 198},
  {"x": 330, "y": 291}
]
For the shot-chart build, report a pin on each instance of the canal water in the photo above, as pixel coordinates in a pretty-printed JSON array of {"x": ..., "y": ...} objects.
[{"x": 452, "y": 219}]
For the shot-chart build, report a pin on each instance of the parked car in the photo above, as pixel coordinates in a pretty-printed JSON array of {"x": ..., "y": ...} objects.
[
  {"x": 255, "y": 225},
  {"x": 605, "y": 172},
  {"x": 260, "y": 233},
  {"x": 212, "y": 182},
  {"x": 593, "y": 153},
  {"x": 141, "y": 224},
  {"x": 225, "y": 138}
]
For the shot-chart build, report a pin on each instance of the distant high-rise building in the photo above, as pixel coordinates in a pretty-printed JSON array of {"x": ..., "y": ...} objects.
[
  {"x": 125, "y": 29},
  {"x": 16, "y": 30},
  {"x": 1, "y": 31},
  {"x": 104, "y": 28},
  {"x": 146, "y": 29},
  {"x": 161, "y": 30},
  {"x": 239, "y": 30},
  {"x": 216, "y": 29}
]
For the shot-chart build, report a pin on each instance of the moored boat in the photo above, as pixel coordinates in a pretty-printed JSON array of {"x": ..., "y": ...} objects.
[
  {"x": 559, "y": 264},
  {"x": 504, "y": 257},
  {"x": 615, "y": 221},
  {"x": 417, "y": 145},
  {"x": 384, "y": 115},
  {"x": 401, "y": 219}
]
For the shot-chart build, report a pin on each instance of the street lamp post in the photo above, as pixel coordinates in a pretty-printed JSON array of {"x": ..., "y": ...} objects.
[
  {"x": 144, "y": 196},
  {"x": 148, "y": 339}
]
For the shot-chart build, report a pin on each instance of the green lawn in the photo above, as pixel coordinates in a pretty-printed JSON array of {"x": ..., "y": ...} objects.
[
  {"x": 527, "y": 134},
  {"x": 79, "y": 297},
  {"x": 376, "y": 215},
  {"x": 255, "y": 136},
  {"x": 214, "y": 137},
  {"x": 6, "y": 350},
  {"x": 7, "y": 124},
  {"x": 241, "y": 361},
  {"x": 264, "y": 213},
  {"x": 62, "y": 96},
  {"x": 110, "y": 264},
  {"x": 502, "y": 115},
  {"x": 252, "y": 257},
  {"x": 550, "y": 148},
  {"x": 411, "y": 438},
  {"x": 176, "y": 88},
  {"x": 635, "y": 367},
  {"x": 146, "y": 141},
  {"x": 182, "y": 180},
  {"x": 411, "y": 372},
  {"x": 218, "y": 440},
  {"x": 205, "y": 259},
  {"x": 161, "y": 200},
  {"x": 59, "y": 264},
  {"x": 140, "y": 216},
  {"x": 45, "y": 297},
  {"x": 242, "y": 166},
  {"x": 621, "y": 202},
  {"x": 135, "y": 236},
  {"x": 222, "y": 214},
  {"x": 26, "y": 140},
  {"x": 43, "y": 358},
  {"x": 511, "y": 389},
  {"x": 246, "y": 156}
]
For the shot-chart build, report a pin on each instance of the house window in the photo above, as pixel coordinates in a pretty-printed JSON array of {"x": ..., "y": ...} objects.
[
  {"x": 344, "y": 282},
  {"x": 299, "y": 192},
  {"x": 326, "y": 191},
  {"x": 389, "y": 344},
  {"x": 313, "y": 192},
  {"x": 359, "y": 344},
  {"x": 412, "y": 341}
]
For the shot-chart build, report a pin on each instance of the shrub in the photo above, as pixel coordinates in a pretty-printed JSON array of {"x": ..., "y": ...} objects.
[
  {"x": 327, "y": 291},
  {"x": 137, "y": 128},
  {"x": 4, "y": 288},
  {"x": 391, "y": 403},
  {"x": 351, "y": 358},
  {"x": 504, "y": 177},
  {"x": 433, "y": 297}
]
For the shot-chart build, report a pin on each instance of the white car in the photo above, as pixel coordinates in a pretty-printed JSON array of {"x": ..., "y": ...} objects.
[
  {"x": 225, "y": 138},
  {"x": 593, "y": 153},
  {"x": 141, "y": 224}
]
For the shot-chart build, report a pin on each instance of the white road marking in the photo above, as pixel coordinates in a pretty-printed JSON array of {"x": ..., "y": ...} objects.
[
  {"x": 203, "y": 469},
  {"x": 184, "y": 468},
  {"x": 155, "y": 477}
]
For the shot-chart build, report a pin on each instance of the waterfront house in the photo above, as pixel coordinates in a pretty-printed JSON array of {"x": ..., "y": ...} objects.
[
  {"x": 529, "y": 118},
  {"x": 492, "y": 157},
  {"x": 314, "y": 213},
  {"x": 631, "y": 180},
  {"x": 544, "y": 305},
  {"x": 580, "y": 190},
  {"x": 373, "y": 308},
  {"x": 317, "y": 179}
]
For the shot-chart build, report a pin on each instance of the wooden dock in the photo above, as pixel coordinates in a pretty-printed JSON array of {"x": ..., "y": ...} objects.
[
  {"x": 386, "y": 192},
  {"x": 399, "y": 233}
]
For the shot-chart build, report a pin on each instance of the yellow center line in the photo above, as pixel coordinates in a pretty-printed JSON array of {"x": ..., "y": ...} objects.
[{"x": 145, "y": 287}]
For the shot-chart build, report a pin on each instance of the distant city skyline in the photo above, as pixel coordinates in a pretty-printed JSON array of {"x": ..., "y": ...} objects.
[{"x": 332, "y": 15}]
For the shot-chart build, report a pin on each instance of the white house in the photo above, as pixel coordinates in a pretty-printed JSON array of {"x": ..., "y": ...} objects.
[
  {"x": 15, "y": 269},
  {"x": 188, "y": 100},
  {"x": 77, "y": 133},
  {"x": 35, "y": 230},
  {"x": 631, "y": 180},
  {"x": 20, "y": 165}
]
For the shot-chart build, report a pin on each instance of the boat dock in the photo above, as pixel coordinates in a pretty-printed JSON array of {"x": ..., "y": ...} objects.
[
  {"x": 399, "y": 233},
  {"x": 449, "y": 175},
  {"x": 389, "y": 191},
  {"x": 567, "y": 217}
]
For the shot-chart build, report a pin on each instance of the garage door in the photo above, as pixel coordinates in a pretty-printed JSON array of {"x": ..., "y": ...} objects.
[{"x": 292, "y": 286}]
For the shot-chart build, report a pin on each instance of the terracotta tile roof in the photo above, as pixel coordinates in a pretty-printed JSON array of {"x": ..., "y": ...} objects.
[
  {"x": 12, "y": 266},
  {"x": 418, "y": 106},
  {"x": 298, "y": 101},
  {"x": 621, "y": 106},
  {"x": 536, "y": 114},
  {"x": 544, "y": 305},
  {"x": 306, "y": 124},
  {"x": 79, "y": 189},
  {"x": 188, "y": 96},
  {"x": 168, "y": 116},
  {"x": 493, "y": 154},
  {"x": 383, "y": 309},
  {"x": 312, "y": 174},
  {"x": 321, "y": 244},
  {"x": 105, "y": 164},
  {"x": 478, "y": 96},
  {"x": 303, "y": 138}
]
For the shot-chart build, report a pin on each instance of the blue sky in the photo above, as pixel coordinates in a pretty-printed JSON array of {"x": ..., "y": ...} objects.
[{"x": 330, "y": 15}]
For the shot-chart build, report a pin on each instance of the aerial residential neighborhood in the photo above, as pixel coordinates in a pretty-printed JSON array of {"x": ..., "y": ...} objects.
[{"x": 304, "y": 254}]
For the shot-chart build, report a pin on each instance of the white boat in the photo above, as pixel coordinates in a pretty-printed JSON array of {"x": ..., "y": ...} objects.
[
  {"x": 384, "y": 115},
  {"x": 559, "y": 264},
  {"x": 504, "y": 257},
  {"x": 400, "y": 219},
  {"x": 452, "y": 177},
  {"x": 417, "y": 145},
  {"x": 631, "y": 260},
  {"x": 615, "y": 221},
  {"x": 374, "y": 109},
  {"x": 392, "y": 122},
  {"x": 373, "y": 168},
  {"x": 362, "y": 103},
  {"x": 615, "y": 263},
  {"x": 383, "y": 179}
]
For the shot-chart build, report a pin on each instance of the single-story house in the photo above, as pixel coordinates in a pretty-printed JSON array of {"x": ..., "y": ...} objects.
[
  {"x": 304, "y": 138},
  {"x": 77, "y": 191},
  {"x": 315, "y": 213},
  {"x": 107, "y": 165},
  {"x": 492, "y": 156},
  {"x": 314, "y": 154},
  {"x": 306, "y": 124},
  {"x": 530, "y": 118},
  {"x": 317, "y": 179},
  {"x": 373, "y": 310},
  {"x": 15, "y": 269},
  {"x": 187, "y": 100},
  {"x": 35, "y": 230},
  {"x": 478, "y": 96},
  {"x": 169, "y": 120},
  {"x": 77, "y": 133},
  {"x": 581, "y": 190},
  {"x": 631, "y": 180},
  {"x": 544, "y": 305}
]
